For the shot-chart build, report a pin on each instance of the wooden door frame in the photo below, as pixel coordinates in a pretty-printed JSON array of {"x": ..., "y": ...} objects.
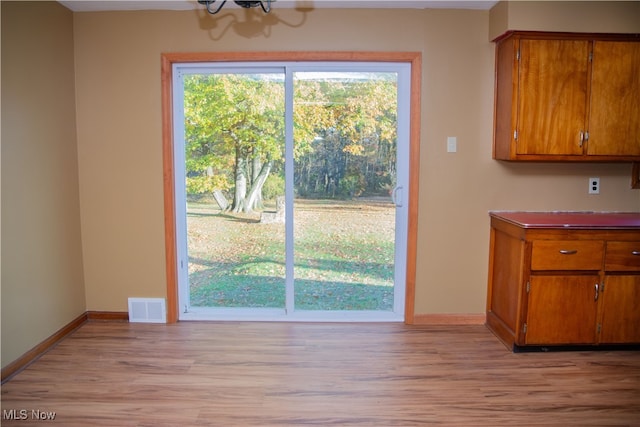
[{"x": 167, "y": 61}]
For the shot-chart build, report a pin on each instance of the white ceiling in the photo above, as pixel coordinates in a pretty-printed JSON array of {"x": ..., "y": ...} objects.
[{"x": 105, "y": 5}]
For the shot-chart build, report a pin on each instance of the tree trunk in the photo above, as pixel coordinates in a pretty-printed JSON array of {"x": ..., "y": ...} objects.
[
  {"x": 241, "y": 184},
  {"x": 255, "y": 194},
  {"x": 255, "y": 174}
]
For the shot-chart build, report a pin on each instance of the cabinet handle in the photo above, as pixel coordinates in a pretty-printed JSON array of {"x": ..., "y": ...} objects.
[
  {"x": 568, "y": 251},
  {"x": 597, "y": 292},
  {"x": 581, "y": 138},
  {"x": 636, "y": 253}
]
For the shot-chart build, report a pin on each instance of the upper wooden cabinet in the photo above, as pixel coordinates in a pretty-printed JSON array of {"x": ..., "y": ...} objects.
[
  {"x": 614, "y": 119},
  {"x": 567, "y": 97}
]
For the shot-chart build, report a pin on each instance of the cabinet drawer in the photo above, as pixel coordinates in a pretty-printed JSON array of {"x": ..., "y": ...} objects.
[
  {"x": 567, "y": 255},
  {"x": 622, "y": 256}
]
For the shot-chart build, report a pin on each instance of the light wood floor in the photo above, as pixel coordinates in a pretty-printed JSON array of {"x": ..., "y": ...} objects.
[{"x": 242, "y": 374}]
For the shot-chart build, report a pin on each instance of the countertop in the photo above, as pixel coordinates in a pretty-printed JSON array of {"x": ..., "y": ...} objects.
[{"x": 578, "y": 220}]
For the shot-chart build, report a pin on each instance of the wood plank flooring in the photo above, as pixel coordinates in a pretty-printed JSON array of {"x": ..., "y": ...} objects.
[{"x": 279, "y": 374}]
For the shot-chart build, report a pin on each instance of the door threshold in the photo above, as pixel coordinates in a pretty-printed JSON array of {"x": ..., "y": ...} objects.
[{"x": 280, "y": 315}]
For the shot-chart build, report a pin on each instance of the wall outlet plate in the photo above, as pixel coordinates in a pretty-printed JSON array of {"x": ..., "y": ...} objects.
[{"x": 594, "y": 185}]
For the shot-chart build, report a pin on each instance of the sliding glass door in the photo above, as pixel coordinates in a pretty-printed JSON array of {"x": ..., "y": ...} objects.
[
  {"x": 290, "y": 188},
  {"x": 232, "y": 151}
]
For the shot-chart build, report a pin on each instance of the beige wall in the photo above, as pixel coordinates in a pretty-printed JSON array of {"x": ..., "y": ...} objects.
[
  {"x": 119, "y": 131},
  {"x": 42, "y": 279},
  {"x": 117, "y": 84},
  {"x": 571, "y": 16}
]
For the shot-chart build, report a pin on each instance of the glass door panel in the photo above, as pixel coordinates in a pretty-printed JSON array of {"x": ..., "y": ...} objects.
[
  {"x": 234, "y": 176},
  {"x": 345, "y": 133}
]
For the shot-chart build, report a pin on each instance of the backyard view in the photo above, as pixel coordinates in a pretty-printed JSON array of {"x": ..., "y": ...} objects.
[
  {"x": 341, "y": 264},
  {"x": 344, "y": 172}
]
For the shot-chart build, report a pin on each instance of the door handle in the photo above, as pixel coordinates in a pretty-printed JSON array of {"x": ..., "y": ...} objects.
[{"x": 396, "y": 196}]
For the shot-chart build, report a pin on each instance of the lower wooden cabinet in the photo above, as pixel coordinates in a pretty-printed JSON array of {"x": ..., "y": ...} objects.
[
  {"x": 561, "y": 309},
  {"x": 620, "y": 310},
  {"x": 564, "y": 278}
]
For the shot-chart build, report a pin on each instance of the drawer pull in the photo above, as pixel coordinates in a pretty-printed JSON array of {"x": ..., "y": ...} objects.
[
  {"x": 636, "y": 253},
  {"x": 568, "y": 251}
]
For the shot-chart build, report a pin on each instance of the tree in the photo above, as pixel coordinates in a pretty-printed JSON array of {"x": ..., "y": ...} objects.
[
  {"x": 234, "y": 133},
  {"x": 370, "y": 128},
  {"x": 354, "y": 148},
  {"x": 344, "y": 135}
]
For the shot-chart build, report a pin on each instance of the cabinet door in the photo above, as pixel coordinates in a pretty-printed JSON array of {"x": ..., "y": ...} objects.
[
  {"x": 621, "y": 310},
  {"x": 552, "y": 96},
  {"x": 614, "y": 120},
  {"x": 562, "y": 310}
]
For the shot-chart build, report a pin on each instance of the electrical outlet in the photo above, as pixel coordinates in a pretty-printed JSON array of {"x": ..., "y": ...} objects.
[{"x": 594, "y": 185}]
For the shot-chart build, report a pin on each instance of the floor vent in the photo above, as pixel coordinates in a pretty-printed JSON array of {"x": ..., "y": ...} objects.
[{"x": 147, "y": 310}]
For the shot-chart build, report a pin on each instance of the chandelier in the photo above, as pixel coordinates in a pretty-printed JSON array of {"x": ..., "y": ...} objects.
[{"x": 246, "y": 4}]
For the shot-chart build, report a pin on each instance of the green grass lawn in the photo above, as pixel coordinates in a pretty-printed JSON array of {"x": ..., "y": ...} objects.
[{"x": 343, "y": 257}]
